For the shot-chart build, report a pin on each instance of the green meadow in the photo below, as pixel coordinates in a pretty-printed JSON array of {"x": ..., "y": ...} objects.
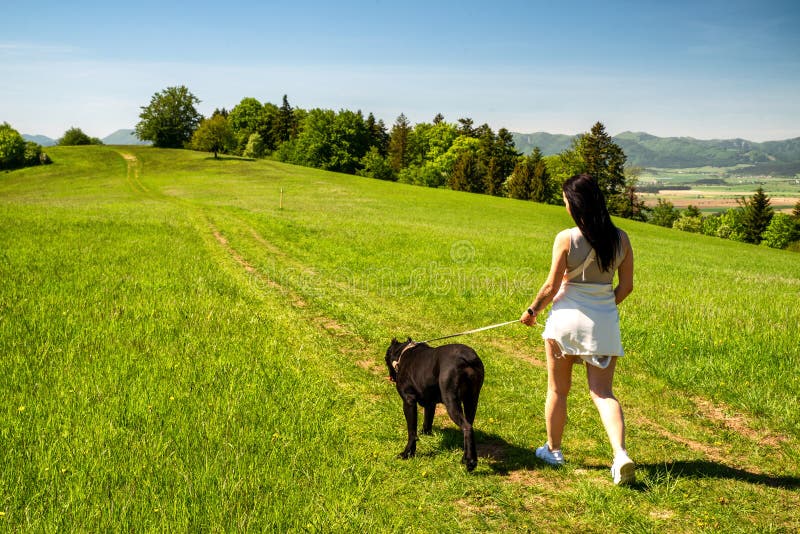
[{"x": 197, "y": 344}]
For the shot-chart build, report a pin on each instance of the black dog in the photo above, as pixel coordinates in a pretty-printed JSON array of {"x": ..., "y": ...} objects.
[{"x": 424, "y": 375}]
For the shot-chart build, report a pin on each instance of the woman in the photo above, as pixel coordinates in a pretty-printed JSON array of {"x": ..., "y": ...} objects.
[{"x": 583, "y": 325}]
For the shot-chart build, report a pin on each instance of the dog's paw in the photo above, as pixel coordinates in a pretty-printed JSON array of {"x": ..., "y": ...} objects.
[
  {"x": 405, "y": 455},
  {"x": 471, "y": 464}
]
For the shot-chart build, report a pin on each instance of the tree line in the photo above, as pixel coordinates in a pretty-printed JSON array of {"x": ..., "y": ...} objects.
[
  {"x": 459, "y": 156},
  {"x": 456, "y": 155}
]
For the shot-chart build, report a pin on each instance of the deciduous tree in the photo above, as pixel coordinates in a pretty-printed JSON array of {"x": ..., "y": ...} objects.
[
  {"x": 214, "y": 135},
  {"x": 254, "y": 147},
  {"x": 374, "y": 165},
  {"x": 75, "y": 137},
  {"x": 247, "y": 117},
  {"x": 170, "y": 119},
  {"x": 664, "y": 213}
]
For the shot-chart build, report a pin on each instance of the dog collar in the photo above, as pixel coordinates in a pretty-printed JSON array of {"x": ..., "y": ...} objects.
[{"x": 396, "y": 363}]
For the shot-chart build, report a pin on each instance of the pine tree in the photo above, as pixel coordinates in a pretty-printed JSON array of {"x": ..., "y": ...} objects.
[
  {"x": 466, "y": 127},
  {"x": 379, "y": 138},
  {"x": 439, "y": 118},
  {"x": 796, "y": 211},
  {"x": 285, "y": 126},
  {"x": 519, "y": 184},
  {"x": 467, "y": 174},
  {"x": 398, "y": 143},
  {"x": 539, "y": 178},
  {"x": 757, "y": 215},
  {"x": 604, "y": 160}
]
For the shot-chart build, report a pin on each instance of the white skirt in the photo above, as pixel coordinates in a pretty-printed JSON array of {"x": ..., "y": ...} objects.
[{"x": 584, "y": 321}]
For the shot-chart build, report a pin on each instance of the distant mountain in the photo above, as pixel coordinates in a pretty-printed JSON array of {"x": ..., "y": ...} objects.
[
  {"x": 548, "y": 143},
  {"x": 648, "y": 150},
  {"x": 41, "y": 139},
  {"x": 124, "y": 137}
]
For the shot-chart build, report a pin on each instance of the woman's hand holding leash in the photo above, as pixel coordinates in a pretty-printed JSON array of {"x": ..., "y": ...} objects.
[{"x": 528, "y": 317}]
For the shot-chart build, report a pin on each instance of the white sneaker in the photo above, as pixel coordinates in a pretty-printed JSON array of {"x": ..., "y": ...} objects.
[
  {"x": 623, "y": 470},
  {"x": 551, "y": 457}
]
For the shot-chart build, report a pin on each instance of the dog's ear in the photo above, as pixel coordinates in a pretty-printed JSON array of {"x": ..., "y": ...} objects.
[
  {"x": 409, "y": 340},
  {"x": 394, "y": 340}
]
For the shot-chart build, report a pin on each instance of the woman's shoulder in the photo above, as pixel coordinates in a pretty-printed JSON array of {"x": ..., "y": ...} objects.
[
  {"x": 624, "y": 240},
  {"x": 566, "y": 233},
  {"x": 565, "y": 236}
]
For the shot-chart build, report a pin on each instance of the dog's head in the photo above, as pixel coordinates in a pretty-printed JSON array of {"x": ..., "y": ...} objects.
[{"x": 393, "y": 356}]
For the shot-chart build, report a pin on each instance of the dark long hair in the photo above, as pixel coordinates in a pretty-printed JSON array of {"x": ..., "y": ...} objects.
[{"x": 588, "y": 208}]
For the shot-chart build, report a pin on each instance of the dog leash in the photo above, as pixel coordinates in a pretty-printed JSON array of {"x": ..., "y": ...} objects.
[
  {"x": 481, "y": 329},
  {"x": 412, "y": 344}
]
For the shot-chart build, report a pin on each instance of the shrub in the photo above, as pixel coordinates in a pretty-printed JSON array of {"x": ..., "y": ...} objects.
[
  {"x": 689, "y": 224},
  {"x": 781, "y": 231},
  {"x": 12, "y": 148},
  {"x": 255, "y": 146},
  {"x": 711, "y": 225},
  {"x": 33, "y": 154},
  {"x": 731, "y": 226}
]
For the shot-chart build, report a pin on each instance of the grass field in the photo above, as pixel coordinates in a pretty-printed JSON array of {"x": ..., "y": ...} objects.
[{"x": 197, "y": 344}]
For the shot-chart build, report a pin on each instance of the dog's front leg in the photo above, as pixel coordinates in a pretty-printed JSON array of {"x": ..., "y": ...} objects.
[
  {"x": 410, "y": 411},
  {"x": 427, "y": 421}
]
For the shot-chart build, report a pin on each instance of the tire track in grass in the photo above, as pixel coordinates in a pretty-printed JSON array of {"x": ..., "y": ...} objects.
[
  {"x": 329, "y": 324},
  {"x": 132, "y": 173},
  {"x": 737, "y": 422},
  {"x": 365, "y": 356},
  {"x": 295, "y": 299},
  {"x": 353, "y": 347}
]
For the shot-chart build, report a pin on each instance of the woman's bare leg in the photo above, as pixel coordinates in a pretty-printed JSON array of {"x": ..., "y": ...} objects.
[
  {"x": 600, "y": 388},
  {"x": 559, "y": 381}
]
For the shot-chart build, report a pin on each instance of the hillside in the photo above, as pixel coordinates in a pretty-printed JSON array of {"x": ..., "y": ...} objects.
[
  {"x": 647, "y": 150},
  {"x": 198, "y": 344}
]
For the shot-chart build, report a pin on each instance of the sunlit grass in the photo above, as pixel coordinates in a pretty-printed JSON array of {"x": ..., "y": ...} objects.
[{"x": 181, "y": 351}]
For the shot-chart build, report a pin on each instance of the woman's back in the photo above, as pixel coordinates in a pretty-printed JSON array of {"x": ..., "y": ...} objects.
[{"x": 579, "y": 250}]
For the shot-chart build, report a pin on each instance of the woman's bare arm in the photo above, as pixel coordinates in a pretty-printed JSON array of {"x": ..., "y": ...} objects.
[
  {"x": 624, "y": 272},
  {"x": 552, "y": 284}
]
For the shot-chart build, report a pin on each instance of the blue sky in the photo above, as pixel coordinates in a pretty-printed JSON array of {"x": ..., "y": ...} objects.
[{"x": 704, "y": 69}]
